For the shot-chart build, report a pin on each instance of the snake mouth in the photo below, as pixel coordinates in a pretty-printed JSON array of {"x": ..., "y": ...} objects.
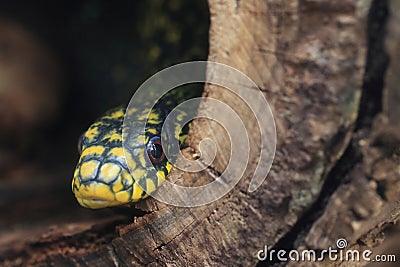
[
  {"x": 101, "y": 193},
  {"x": 98, "y": 195},
  {"x": 96, "y": 203},
  {"x": 93, "y": 196}
]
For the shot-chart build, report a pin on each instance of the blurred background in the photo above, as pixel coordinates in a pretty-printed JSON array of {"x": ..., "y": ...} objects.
[{"x": 62, "y": 64}]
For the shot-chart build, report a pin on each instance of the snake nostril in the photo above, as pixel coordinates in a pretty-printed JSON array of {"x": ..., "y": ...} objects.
[{"x": 126, "y": 179}]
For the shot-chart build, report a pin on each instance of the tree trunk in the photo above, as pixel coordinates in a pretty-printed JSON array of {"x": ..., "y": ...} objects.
[{"x": 335, "y": 173}]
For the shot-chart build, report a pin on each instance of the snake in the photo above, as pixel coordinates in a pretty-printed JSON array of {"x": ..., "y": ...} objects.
[{"x": 102, "y": 177}]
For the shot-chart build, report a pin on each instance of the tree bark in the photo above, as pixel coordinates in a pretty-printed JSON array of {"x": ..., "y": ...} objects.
[{"x": 335, "y": 173}]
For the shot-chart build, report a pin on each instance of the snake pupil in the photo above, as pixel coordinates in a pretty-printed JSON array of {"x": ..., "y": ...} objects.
[{"x": 155, "y": 150}]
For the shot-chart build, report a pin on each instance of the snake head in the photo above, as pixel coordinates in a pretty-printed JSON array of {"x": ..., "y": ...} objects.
[{"x": 102, "y": 177}]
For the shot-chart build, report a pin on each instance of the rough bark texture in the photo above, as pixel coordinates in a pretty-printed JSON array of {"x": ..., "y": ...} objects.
[{"x": 335, "y": 174}]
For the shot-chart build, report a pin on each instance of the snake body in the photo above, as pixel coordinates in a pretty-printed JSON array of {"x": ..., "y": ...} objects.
[{"x": 102, "y": 177}]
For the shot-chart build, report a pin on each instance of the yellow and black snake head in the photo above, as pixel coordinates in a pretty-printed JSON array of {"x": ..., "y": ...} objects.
[{"x": 102, "y": 177}]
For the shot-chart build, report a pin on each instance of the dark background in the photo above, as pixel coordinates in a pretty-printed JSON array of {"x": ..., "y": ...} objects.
[{"x": 63, "y": 64}]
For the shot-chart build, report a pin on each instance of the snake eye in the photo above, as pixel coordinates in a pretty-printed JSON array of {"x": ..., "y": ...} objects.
[
  {"x": 155, "y": 150},
  {"x": 80, "y": 143}
]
